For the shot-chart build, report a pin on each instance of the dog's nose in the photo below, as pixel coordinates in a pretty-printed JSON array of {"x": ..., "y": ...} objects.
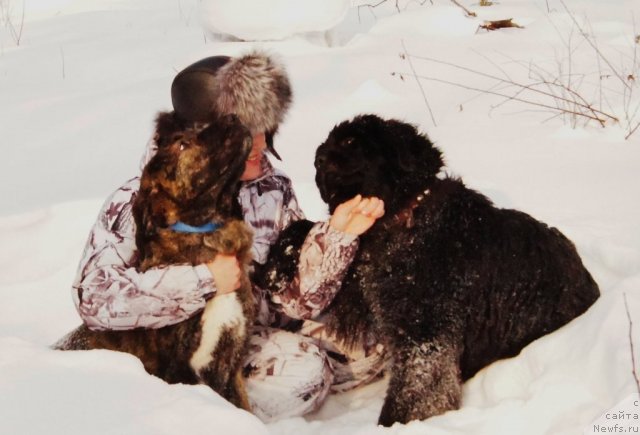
[{"x": 320, "y": 160}]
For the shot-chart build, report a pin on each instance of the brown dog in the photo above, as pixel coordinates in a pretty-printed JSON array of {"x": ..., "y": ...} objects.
[{"x": 193, "y": 179}]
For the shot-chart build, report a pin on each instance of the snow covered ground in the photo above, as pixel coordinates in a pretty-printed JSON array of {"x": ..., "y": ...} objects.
[{"x": 77, "y": 97}]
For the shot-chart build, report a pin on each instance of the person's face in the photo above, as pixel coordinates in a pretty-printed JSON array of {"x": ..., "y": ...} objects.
[{"x": 253, "y": 165}]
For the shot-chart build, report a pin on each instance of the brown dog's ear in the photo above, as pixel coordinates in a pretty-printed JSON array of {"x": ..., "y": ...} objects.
[
  {"x": 191, "y": 174},
  {"x": 168, "y": 126},
  {"x": 141, "y": 215}
]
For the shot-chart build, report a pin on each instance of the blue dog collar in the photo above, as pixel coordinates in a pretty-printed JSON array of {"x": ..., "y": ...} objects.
[{"x": 181, "y": 227}]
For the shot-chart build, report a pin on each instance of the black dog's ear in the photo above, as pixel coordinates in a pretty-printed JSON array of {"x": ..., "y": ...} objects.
[
  {"x": 168, "y": 126},
  {"x": 414, "y": 152}
]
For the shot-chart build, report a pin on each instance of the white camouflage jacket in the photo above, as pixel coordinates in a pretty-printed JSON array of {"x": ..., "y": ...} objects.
[{"x": 110, "y": 293}]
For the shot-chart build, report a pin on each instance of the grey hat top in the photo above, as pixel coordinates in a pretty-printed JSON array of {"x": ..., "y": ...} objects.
[{"x": 254, "y": 87}]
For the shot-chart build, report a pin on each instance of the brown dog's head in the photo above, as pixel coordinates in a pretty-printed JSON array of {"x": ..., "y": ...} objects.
[
  {"x": 194, "y": 176},
  {"x": 375, "y": 157}
]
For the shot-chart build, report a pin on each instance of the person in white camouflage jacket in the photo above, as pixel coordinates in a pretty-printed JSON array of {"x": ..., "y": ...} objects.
[{"x": 292, "y": 363}]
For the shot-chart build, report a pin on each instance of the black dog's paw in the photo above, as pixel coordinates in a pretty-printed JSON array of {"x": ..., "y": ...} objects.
[
  {"x": 282, "y": 264},
  {"x": 425, "y": 381}
]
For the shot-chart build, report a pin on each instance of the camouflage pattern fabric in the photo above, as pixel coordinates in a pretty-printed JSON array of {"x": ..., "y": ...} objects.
[{"x": 288, "y": 372}]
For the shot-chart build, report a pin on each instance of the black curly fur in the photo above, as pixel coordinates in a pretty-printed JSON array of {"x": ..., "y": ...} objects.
[{"x": 449, "y": 282}]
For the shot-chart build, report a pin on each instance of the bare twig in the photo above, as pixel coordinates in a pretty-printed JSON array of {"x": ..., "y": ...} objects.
[
  {"x": 633, "y": 130},
  {"x": 408, "y": 58},
  {"x": 397, "y": 5},
  {"x": 555, "y": 83},
  {"x": 498, "y": 67},
  {"x": 632, "y": 77},
  {"x": 635, "y": 46},
  {"x": 633, "y": 358},
  {"x": 373, "y": 6},
  {"x": 5, "y": 10},
  {"x": 17, "y": 33},
  {"x": 6, "y": 16},
  {"x": 593, "y": 45},
  {"x": 544, "y": 121},
  {"x": 634, "y": 115},
  {"x": 570, "y": 62},
  {"x": 584, "y": 104},
  {"x": 180, "y": 10},
  {"x": 522, "y": 100},
  {"x": 511, "y": 97},
  {"x": 562, "y": 91},
  {"x": 466, "y": 11}
]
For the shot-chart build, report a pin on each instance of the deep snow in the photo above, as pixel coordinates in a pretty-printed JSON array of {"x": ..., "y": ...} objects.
[{"x": 77, "y": 98}]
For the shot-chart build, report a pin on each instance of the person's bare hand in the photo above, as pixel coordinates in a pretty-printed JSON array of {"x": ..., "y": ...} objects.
[
  {"x": 357, "y": 215},
  {"x": 226, "y": 273}
]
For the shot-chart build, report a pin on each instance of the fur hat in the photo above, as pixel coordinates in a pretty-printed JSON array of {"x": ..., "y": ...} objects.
[{"x": 255, "y": 87}]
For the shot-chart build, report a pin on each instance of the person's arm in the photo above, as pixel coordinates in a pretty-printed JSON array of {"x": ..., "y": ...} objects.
[
  {"x": 111, "y": 294},
  {"x": 324, "y": 258}
]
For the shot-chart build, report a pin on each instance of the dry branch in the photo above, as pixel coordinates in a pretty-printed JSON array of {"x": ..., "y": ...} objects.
[
  {"x": 633, "y": 130},
  {"x": 592, "y": 44},
  {"x": 514, "y": 98},
  {"x": 634, "y": 371},
  {"x": 397, "y": 5},
  {"x": 421, "y": 2},
  {"x": 6, "y": 15},
  {"x": 596, "y": 114},
  {"x": 406, "y": 56},
  {"x": 466, "y": 11},
  {"x": 562, "y": 93}
]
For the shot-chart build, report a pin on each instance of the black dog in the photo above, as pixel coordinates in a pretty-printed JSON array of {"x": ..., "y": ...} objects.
[
  {"x": 193, "y": 179},
  {"x": 449, "y": 282}
]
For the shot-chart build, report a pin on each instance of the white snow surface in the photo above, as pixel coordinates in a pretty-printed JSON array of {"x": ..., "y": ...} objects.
[
  {"x": 271, "y": 19},
  {"x": 77, "y": 100}
]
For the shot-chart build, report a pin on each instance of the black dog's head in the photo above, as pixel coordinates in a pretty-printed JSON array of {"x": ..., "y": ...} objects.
[
  {"x": 194, "y": 176},
  {"x": 375, "y": 157}
]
